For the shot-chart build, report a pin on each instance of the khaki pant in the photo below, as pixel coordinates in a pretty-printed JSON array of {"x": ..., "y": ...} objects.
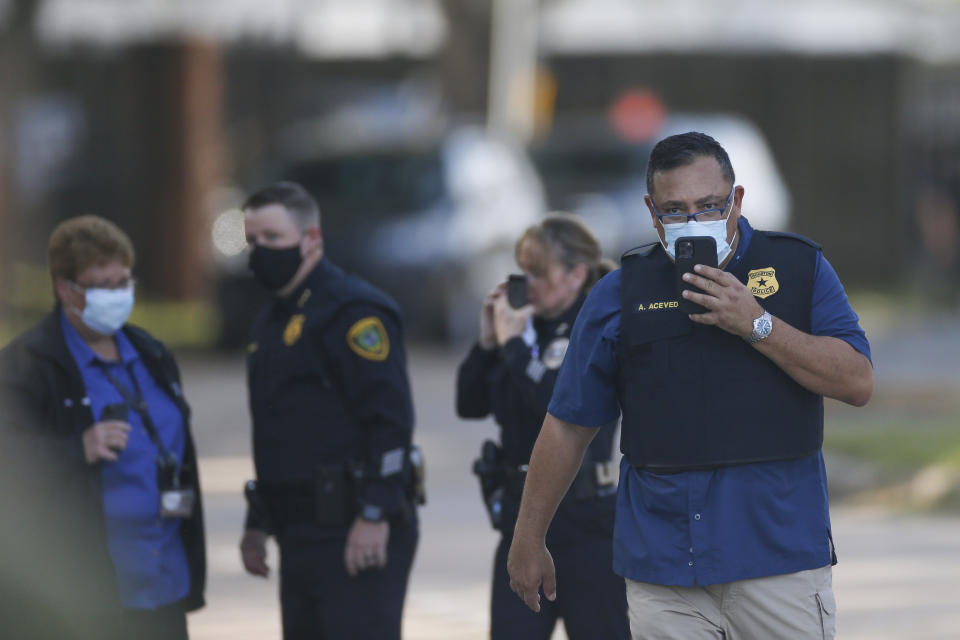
[{"x": 791, "y": 606}]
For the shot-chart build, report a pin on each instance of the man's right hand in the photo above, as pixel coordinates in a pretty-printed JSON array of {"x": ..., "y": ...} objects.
[
  {"x": 509, "y": 322},
  {"x": 529, "y": 566},
  {"x": 104, "y": 440},
  {"x": 253, "y": 552}
]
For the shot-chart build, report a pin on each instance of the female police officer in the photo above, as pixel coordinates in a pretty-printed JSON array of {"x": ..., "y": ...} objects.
[{"x": 510, "y": 373}]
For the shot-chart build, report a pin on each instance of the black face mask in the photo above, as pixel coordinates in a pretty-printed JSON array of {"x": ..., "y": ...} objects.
[{"x": 275, "y": 267}]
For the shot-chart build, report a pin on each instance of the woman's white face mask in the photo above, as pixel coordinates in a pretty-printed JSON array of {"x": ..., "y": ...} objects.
[{"x": 107, "y": 310}]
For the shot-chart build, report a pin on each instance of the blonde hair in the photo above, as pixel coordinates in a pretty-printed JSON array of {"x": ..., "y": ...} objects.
[
  {"x": 566, "y": 239},
  {"x": 86, "y": 241}
]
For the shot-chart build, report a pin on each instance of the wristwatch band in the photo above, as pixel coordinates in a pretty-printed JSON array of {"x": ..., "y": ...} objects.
[
  {"x": 371, "y": 512},
  {"x": 761, "y": 328}
]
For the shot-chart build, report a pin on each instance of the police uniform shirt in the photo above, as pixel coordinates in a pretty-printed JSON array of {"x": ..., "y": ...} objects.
[
  {"x": 328, "y": 384},
  {"x": 514, "y": 383},
  {"x": 705, "y": 527}
]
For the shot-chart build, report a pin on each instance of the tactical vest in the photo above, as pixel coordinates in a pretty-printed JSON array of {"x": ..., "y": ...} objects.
[
  {"x": 300, "y": 416},
  {"x": 697, "y": 397}
]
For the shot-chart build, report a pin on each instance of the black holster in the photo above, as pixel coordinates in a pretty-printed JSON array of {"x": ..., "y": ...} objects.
[{"x": 490, "y": 472}]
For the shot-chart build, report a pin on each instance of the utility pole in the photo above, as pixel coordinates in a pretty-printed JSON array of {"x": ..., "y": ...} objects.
[{"x": 511, "y": 101}]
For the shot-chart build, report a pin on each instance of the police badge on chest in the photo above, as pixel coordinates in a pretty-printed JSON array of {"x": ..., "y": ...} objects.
[
  {"x": 553, "y": 354},
  {"x": 177, "y": 495}
]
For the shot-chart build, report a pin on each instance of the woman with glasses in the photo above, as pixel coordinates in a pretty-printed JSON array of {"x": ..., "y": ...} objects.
[
  {"x": 510, "y": 373},
  {"x": 109, "y": 536}
]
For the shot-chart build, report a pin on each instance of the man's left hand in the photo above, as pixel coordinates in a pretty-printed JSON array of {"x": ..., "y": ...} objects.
[
  {"x": 366, "y": 545},
  {"x": 731, "y": 305}
]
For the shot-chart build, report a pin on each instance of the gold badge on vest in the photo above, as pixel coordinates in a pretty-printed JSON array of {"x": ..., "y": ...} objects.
[
  {"x": 294, "y": 328},
  {"x": 763, "y": 282}
]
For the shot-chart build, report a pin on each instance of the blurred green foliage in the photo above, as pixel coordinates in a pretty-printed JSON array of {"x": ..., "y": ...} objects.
[
  {"x": 898, "y": 444},
  {"x": 186, "y": 324}
]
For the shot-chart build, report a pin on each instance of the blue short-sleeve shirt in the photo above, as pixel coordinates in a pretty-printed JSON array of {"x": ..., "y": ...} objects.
[{"x": 704, "y": 527}]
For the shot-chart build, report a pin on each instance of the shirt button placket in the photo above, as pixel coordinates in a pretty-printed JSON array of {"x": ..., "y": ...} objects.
[
  {"x": 696, "y": 516},
  {"x": 698, "y": 541}
]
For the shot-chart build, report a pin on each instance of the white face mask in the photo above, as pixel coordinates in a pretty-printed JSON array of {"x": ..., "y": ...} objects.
[
  {"x": 107, "y": 309},
  {"x": 716, "y": 229}
]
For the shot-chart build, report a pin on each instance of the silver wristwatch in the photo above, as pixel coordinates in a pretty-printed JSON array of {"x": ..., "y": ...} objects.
[{"x": 761, "y": 328}]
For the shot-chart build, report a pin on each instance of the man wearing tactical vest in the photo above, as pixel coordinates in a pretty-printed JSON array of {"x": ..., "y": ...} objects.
[{"x": 723, "y": 528}]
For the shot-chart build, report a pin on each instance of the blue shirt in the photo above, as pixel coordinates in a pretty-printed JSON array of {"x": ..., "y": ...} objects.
[
  {"x": 147, "y": 550},
  {"x": 704, "y": 527}
]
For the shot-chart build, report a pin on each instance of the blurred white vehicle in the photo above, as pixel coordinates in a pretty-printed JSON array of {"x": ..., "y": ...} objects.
[
  {"x": 430, "y": 220},
  {"x": 586, "y": 168}
]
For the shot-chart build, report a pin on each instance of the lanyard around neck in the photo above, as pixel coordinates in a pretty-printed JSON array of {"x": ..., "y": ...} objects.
[{"x": 135, "y": 401}]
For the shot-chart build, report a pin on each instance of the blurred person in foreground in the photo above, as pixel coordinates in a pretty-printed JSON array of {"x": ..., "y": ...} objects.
[
  {"x": 723, "y": 529},
  {"x": 108, "y": 540},
  {"x": 332, "y": 426},
  {"x": 510, "y": 373}
]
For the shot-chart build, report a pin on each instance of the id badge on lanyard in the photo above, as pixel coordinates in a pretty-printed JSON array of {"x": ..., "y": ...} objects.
[{"x": 176, "y": 499}]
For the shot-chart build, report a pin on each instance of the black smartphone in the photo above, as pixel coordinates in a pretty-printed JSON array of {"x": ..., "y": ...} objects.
[
  {"x": 691, "y": 250},
  {"x": 516, "y": 290},
  {"x": 119, "y": 411}
]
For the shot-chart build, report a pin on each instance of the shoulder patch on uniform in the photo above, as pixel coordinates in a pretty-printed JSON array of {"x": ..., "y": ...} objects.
[
  {"x": 294, "y": 329},
  {"x": 368, "y": 339},
  {"x": 791, "y": 236},
  {"x": 642, "y": 250},
  {"x": 252, "y": 347}
]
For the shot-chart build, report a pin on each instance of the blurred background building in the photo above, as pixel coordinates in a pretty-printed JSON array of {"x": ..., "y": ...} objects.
[{"x": 433, "y": 131}]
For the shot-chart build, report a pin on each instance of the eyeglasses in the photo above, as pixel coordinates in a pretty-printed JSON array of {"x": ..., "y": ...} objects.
[
  {"x": 707, "y": 215},
  {"x": 126, "y": 283}
]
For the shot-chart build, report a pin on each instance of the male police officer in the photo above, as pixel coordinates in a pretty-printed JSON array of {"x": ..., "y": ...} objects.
[
  {"x": 722, "y": 528},
  {"x": 332, "y": 424}
]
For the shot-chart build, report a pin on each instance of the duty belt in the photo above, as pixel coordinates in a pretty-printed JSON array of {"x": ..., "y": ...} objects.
[{"x": 328, "y": 500}]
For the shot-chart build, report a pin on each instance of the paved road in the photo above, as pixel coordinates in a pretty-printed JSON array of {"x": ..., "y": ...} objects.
[{"x": 897, "y": 577}]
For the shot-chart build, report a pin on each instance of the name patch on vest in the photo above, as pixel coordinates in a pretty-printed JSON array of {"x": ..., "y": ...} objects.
[
  {"x": 763, "y": 282},
  {"x": 661, "y": 305}
]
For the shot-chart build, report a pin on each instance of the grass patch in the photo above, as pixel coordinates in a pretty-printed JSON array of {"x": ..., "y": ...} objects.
[
  {"x": 179, "y": 324},
  {"x": 898, "y": 444},
  {"x": 188, "y": 324}
]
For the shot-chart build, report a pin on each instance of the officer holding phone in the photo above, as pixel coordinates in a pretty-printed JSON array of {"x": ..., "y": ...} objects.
[
  {"x": 332, "y": 427},
  {"x": 525, "y": 327},
  {"x": 723, "y": 528}
]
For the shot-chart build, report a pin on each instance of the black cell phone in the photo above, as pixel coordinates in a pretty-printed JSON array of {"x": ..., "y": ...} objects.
[
  {"x": 517, "y": 290},
  {"x": 691, "y": 250},
  {"x": 118, "y": 411}
]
